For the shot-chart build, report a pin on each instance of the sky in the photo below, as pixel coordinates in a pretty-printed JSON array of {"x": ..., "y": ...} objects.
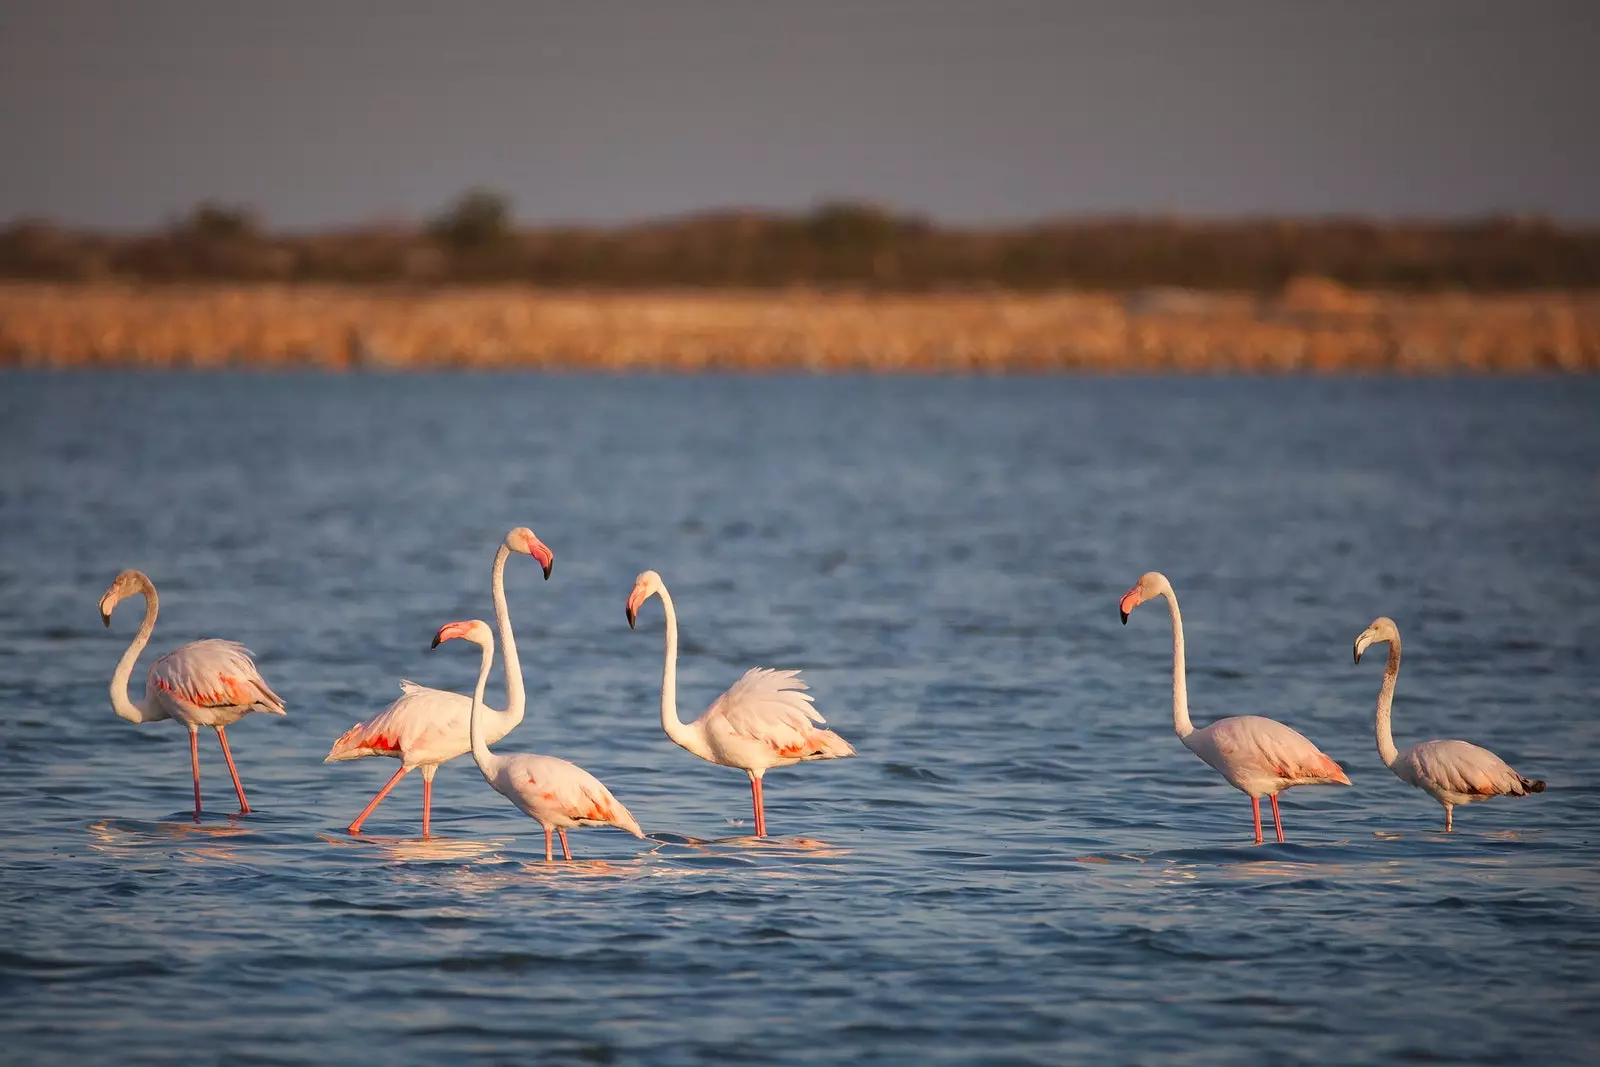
[{"x": 124, "y": 115}]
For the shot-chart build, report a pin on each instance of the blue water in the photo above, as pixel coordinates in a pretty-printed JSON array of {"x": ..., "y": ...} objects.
[{"x": 1023, "y": 866}]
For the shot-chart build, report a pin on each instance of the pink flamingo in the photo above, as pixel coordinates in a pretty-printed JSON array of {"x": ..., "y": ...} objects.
[
  {"x": 1260, "y": 757},
  {"x": 764, "y": 720},
  {"x": 427, "y": 727},
  {"x": 556, "y": 794},
  {"x": 204, "y": 683},
  {"x": 1452, "y": 772}
]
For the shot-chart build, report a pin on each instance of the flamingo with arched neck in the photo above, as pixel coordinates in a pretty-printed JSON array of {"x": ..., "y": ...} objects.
[
  {"x": 1452, "y": 772},
  {"x": 556, "y": 794},
  {"x": 427, "y": 727},
  {"x": 204, "y": 683},
  {"x": 1258, "y": 756},
  {"x": 764, "y": 720}
]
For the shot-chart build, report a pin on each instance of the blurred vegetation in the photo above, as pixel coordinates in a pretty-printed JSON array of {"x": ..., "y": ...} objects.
[{"x": 835, "y": 245}]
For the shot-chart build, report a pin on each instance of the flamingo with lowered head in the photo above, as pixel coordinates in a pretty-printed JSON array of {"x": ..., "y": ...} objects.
[
  {"x": 203, "y": 683},
  {"x": 558, "y": 795},
  {"x": 427, "y": 727},
  {"x": 1258, "y": 756},
  {"x": 1452, "y": 772},
  {"x": 764, "y": 720}
]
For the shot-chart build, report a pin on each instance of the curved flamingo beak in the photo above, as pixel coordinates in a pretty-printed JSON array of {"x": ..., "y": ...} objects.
[
  {"x": 1129, "y": 601},
  {"x": 449, "y": 632},
  {"x": 635, "y": 599},
  {"x": 105, "y": 617},
  {"x": 1358, "y": 651},
  {"x": 546, "y": 558}
]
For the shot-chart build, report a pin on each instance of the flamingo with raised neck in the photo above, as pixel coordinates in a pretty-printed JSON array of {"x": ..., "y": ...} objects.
[
  {"x": 764, "y": 720},
  {"x": 1258, "y": 756},
  {"x": 558, "y": 795},
  {"x": 1452, "y": 772},
  {"x": 426, "y": 726},
  {"x": 203, "y": 683}
]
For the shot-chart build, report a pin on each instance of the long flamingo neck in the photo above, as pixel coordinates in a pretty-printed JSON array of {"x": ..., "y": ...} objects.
[
  {"x": 1180, "y": 679},
  {"x": 675, "y": 727},
  {"x": 120, "y": 702},
  {"x": 516, "y": 699},
  {"x": 481, "y": 755},
  {"x": 1391, "y": 673}
]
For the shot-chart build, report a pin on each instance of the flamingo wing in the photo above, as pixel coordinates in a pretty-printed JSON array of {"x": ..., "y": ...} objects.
[
  {"x": 212, "y": 674},
  {"x": 1461, "y": 768},
  {"x": 423, "y": 722},
  {"x": 557, "y": 785},
  {"x": 772, "y": 708},
  {"x": 1269, "y": 747}
]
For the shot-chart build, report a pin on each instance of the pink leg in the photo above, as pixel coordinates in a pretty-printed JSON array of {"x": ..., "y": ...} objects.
[
  {"x": 194, "y": 761},
  {"x": 565, "y": 851},
  {"x": 1276, "y": 820},
  {"x": 548, "y": 857},
  {"x": 355, "y": 827},
  {"x": 761, "y": 815},
  {"x": 1255, "y": 808},
  {"x": 238, "y": 787},
  {"x": 427, "y": 803}
]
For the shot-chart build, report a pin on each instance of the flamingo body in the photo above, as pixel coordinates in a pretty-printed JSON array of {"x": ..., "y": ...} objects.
[
  {"x": 764, "y": 720},
  {"x": 1258, "y": 756},
  {"x": 1452, "y": 772},
  {"x": 211, "y": 683}
]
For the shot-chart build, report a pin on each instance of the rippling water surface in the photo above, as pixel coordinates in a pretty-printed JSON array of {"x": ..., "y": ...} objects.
[{"x": 1022, "y": 866}]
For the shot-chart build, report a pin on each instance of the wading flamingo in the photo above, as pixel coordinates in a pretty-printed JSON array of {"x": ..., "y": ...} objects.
[
  {"x": 204, "y": 683},
  {"x": 1260, "y": 757},
  {"x": 765, "y": 720},
  {"x": 555, "y": 793},
  {"x": 1452, "y": 772},
  {"x": 427, "y": 727}
]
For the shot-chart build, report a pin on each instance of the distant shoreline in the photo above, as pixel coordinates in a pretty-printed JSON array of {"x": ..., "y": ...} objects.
[{"x": 1311, "y": 326}]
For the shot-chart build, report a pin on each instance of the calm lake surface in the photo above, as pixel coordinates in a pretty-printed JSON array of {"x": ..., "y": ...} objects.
[{"x": 1023, "y": 865}]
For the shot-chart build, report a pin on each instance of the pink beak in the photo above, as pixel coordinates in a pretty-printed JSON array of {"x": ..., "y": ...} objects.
[{"x": 1129, "y": 601}]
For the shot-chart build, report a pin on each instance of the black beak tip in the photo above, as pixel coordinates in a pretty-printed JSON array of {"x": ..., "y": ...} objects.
[
  {"x": 548, "y": 567},
  {"x": 435, "y": 641},
  {"x": 1358, "y": 655},
  {"x": 1124, "y": 618},
  {"x": 105, "y": 617},
  {"x": 631, "y": 618}
]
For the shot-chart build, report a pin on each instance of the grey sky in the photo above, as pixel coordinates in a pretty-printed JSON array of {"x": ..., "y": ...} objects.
[{"x": 126, "y": 114}]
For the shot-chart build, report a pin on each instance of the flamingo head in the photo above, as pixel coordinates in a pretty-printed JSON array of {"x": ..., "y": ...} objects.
[
  {"x": 1382, "y": 629},
  {"x": 1152, "y": 584},
  {"x": 645, "y": 586},
  {"x": 475, "y": 630},
  {"x": 128, "y": 583},
  {"x": 522, "y": 540}
]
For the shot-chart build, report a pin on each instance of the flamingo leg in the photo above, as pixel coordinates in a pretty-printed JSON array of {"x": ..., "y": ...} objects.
[
  {"x": 565, "y": 851},
  {"x": 761, "y": 815},
  {"x": 1255, "y": 809},
  {"x": 194, "y": 761},
  {"x": 238, "y": 786},
  {"x": 355, "y": 827},
  {"x": 1277, "y": 821},
  {"x": 427, "y": 803},
  {"x": 548, "y": 858},
  {"x": 1449, "y": 818}
]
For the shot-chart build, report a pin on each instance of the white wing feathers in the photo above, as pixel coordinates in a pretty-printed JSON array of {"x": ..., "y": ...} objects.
[
  {"x": 764, "y": 698},
  {"x": 213, "y": 673}
]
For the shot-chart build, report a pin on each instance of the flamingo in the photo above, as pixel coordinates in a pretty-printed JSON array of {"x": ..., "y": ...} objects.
[
  {"x": 427, "y": 727},
  {"x": 1452, "y": 772},
  {"x": 203, "y": 683},
  {"x": 553, "y": 792},
  {"x": 1261, "y": 757},
  {"x": 763, "y": 721}
]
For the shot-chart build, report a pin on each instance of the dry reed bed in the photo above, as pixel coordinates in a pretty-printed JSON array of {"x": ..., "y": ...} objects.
[{"x": 1312, "y": 326}]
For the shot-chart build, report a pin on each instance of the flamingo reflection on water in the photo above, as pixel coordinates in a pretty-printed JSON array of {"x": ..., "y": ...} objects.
[
  {"x": 556, "y": 794},
  {"x": 203, "y": 683},
  {"x": 1452, "y": 772},
  {"x": 764, "y": 720},
  {"x": 1260, "y": 757}
]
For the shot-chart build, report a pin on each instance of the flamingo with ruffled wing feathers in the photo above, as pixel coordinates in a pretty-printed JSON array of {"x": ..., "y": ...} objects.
[
  {"x": 426, "y": 726},
  {"x": 204, "y": 683},
  {"x": 556, "y": 794},
  {"x": 1260, "y": 757},
  {"x": 1451, "y": 772},
  {"x": 765, "y": 720}
]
